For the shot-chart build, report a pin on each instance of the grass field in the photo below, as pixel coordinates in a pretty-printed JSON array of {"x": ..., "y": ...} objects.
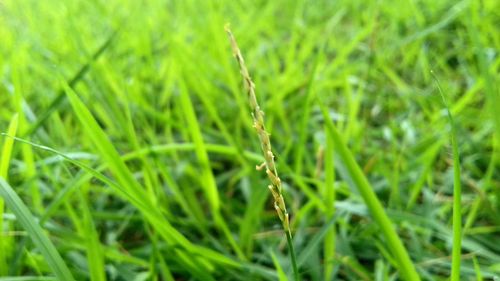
[{"x": 128, "y": 149}]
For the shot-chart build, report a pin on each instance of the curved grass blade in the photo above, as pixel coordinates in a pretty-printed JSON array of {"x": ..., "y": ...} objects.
[
  {"x": 405, "y": 265},
  {"x": 128, "y": 187},
  {"x": 36, "y": 233}
]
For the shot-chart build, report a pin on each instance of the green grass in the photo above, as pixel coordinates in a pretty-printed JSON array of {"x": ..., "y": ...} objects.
[
  {"x": 128, "y": 150},
  {"x": 275, "y": 186},
  {"x": 27, "y": 221},
  {"x": 457, "y": 191}
]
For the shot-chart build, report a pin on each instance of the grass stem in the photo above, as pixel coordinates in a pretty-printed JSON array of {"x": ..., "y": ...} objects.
[
  {"x": 293, "y": 257},
  {"x": 258, "y": 123},
  {"x": 457, "y": 191}
]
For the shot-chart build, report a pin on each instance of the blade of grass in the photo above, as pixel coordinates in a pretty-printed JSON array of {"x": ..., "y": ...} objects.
[
  {"x": 306, "y": 112},
  {"x": 356, "y": 268},
  {"x": 28, "y": 222},
  {"x": 406, "y": 267},
  {"x": 477, "y": 269},
  {"x": 95, "y": 257},
  {"x": 279, "y": 269},
  {"x": 57, "y": 101},
  {"x": 329, "y": 191},
  {"x": 7, "y": 147},
  {"x": 456, "y": 255},
  {"x": 84, "y": 177},
  {"x": 428, "y": 158},
  {"x": 200, "y": 88},
  {"x": 252, "y": 218},
  {"x": 131, "y": 190},
  {"x": 209, "y": 186},
  {"x": 163, "y": 267},
  {"x": 4, "y": 167},
  {"x": 490, "y": 83},
  {"x": 166, "y": 231},
  {"x": 315, "y": 241}
]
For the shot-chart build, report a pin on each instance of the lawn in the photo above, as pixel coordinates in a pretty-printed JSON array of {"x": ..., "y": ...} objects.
[{"x": 134, "y": 148}]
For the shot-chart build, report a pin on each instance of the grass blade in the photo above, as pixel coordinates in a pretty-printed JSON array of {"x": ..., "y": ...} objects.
[
  {"x": 57, "y": 101},
  {"x": 7, "y": 147},
  {"x": 406, "y": 267},
  {"x": 315, "y": 241},
  {"x": 457, "y": 191},
  {"x": 329, "y": 192},
  {"x": 28, "y": 222},
  {"x": 130, "y": 189},
  {"x": 4, "y": 167},
  {"x": 279, "y": 269},
  {"x": 210, "y": 188},
  {"x": 95, "y": 257}
]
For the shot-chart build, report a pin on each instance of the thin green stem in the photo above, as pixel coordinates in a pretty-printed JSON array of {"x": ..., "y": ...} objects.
[
  {"x": 457, "y": 192},
  {"x": 293, "y": 257}
]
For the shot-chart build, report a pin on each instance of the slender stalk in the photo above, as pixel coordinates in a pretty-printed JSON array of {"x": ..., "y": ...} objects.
[
  {"x": 293, "y": 257},
  {"x": 258, "y": 123},
  {"x": 457, "y": 192},
  {"x": 330, "y": 195}
]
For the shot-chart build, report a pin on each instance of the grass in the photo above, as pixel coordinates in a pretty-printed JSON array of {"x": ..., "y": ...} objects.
[
  {"x": 4, "y": 168},
  {"x": 276, "y": 186},
  {"x": 457, "y": 191},
  {"x": 27, "y": 221},
  {"x": 128, "y": 150},
  {"x": 376, "y": 209}
]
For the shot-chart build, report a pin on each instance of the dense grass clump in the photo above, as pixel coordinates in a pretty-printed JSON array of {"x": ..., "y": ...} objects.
[{"x": 128, "y": 148}]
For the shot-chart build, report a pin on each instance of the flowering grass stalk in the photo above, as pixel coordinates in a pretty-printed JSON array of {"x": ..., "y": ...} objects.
[{"x": 258, "y": 123}]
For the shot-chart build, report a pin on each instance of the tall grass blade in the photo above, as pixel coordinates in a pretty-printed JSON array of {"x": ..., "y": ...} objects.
[
  {"x": 28, "y": 222},
  {"x": 95, "y": 253},
  {"x": 457, "y": 191},
  {"x": 209, "y": 186},
  {"x": 330, "y": 196},
  {"x": 405, "y": 265},
  {"x": 130, "y": 189},
  {"x": 4, "y": 171}
]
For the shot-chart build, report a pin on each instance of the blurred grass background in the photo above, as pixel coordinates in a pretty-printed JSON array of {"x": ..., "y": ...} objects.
[{"x": 182, "y": 199}]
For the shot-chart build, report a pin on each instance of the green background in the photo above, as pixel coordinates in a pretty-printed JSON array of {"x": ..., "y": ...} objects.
[{"x": 160, "y": 182}]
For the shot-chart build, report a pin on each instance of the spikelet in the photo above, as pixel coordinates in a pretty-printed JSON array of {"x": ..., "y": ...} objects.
[{"x": 258, "y": 123}]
